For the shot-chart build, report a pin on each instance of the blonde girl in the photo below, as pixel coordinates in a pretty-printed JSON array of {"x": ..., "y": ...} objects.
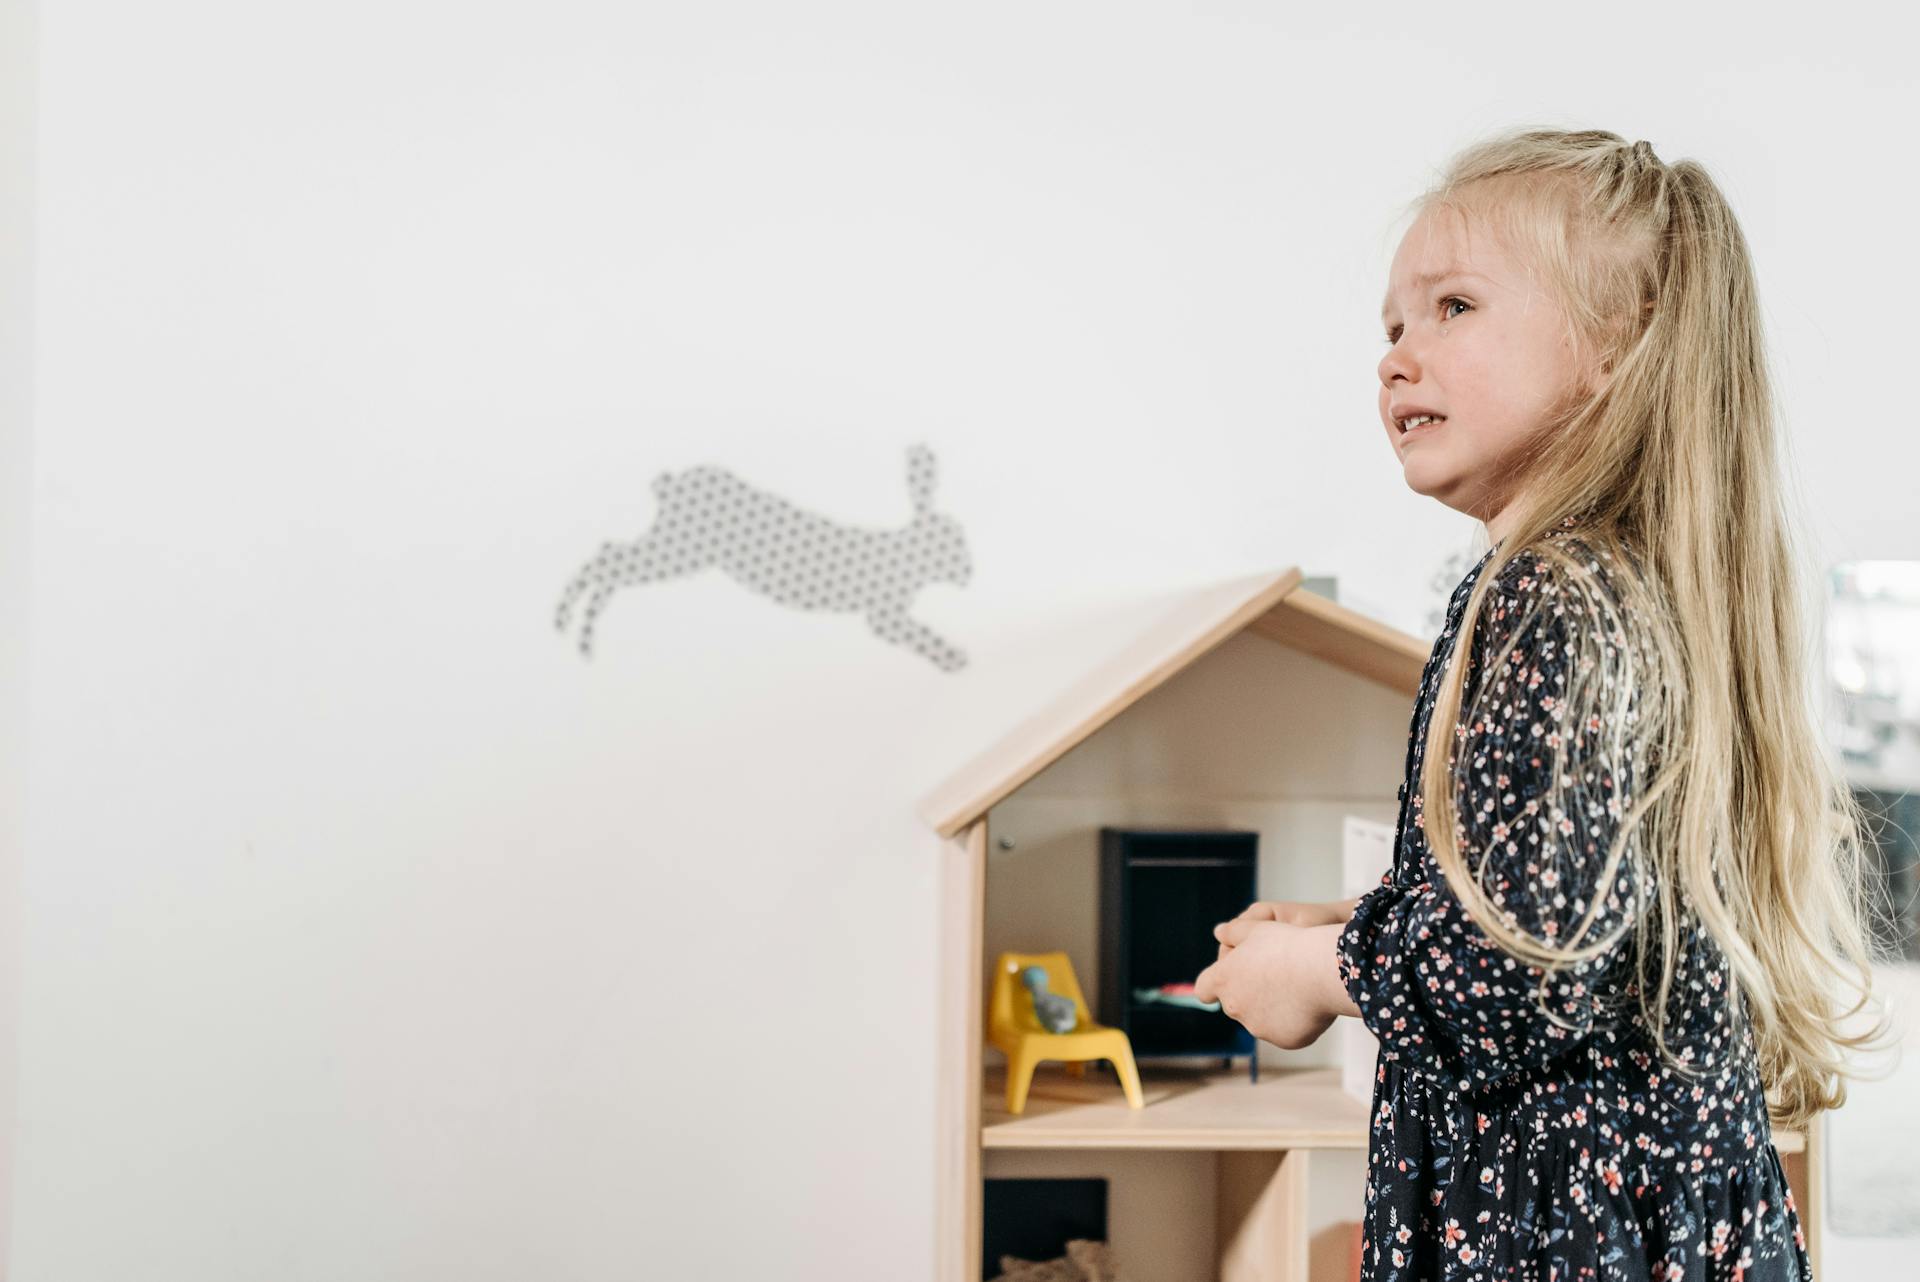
[{"x": 1628, "y": 917}]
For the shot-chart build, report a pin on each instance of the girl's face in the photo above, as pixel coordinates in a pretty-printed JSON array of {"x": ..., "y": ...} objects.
[{"x": 1475, "y": 340}]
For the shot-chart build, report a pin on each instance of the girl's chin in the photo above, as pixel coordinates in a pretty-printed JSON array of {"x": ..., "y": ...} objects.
[{"x": 1428, "y": 477}]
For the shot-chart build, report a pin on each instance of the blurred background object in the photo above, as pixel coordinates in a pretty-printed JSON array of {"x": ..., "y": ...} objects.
[{"x": 1873, "y": 683}]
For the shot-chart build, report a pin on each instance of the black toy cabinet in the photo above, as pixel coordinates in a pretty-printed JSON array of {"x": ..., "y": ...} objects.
[{"x": 1161, "y": 893}]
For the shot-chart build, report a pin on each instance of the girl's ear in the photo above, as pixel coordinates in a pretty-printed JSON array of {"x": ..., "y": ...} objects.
[
  {"x": 1599, "y": 375},
  {"x": 1603, "y": 365}
]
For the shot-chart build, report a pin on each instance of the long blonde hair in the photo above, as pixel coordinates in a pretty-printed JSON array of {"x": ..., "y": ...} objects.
[{"x": 1739, "y": 814}]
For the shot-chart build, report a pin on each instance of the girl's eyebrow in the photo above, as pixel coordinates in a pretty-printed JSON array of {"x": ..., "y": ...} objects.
[{"x": 1425, "y": 279}]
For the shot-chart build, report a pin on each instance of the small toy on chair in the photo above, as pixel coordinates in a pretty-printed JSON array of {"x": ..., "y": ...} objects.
[{"x": 1055, "y": 1013}]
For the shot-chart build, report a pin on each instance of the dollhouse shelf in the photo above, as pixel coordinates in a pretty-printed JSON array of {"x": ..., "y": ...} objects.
[
  {"x": 1198, "y": 1109},
  {"x": 1194, "y": 1109}
]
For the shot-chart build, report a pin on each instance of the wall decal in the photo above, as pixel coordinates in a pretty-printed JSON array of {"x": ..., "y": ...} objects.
[{"x": 709, "y": 517}]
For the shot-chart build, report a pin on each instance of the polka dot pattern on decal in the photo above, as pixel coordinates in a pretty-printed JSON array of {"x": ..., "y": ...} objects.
[{"x": 708, "y": 518}]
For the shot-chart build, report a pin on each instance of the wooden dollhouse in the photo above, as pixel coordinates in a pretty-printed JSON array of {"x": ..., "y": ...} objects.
[{"x": 1253, "y": 706}]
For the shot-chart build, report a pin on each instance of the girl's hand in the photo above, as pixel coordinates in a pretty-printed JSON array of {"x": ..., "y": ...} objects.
[
  {"x": 1291, "y": 912},
  {"x": 1274, "y": 979},
  {"x": 1294, "y": 912}
]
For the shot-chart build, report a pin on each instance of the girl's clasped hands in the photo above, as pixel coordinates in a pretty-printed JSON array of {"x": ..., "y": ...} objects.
[{"x": 1277, "y": 974}]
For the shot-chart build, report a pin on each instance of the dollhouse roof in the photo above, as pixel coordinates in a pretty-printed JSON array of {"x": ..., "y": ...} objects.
[{"x": 1271, "y": 604}]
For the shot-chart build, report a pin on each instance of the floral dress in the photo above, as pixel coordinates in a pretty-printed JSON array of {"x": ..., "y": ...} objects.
[{"x": 1506, "y": 1143}]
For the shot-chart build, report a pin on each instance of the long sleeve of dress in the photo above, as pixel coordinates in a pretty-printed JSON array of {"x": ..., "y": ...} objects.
[{"x": 1436, "y": 991}]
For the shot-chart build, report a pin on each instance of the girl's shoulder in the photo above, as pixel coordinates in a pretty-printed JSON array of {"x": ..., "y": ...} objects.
[
  {"x": 1571, "y": 594},
  {"x": 1574, "y": 569}
]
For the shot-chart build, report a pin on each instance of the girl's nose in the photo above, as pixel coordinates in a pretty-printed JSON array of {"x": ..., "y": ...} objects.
[{"x": 1399, "y": 360}]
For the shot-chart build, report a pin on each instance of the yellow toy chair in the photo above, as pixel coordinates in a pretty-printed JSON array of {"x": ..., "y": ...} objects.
[{"x": 1017, "y": 1031}]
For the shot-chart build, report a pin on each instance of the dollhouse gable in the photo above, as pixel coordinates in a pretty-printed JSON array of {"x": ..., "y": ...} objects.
[{"x": 1272, "y": 604}]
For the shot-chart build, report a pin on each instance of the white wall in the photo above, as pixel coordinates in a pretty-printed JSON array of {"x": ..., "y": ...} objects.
[
  {"x": 369, "y": 933},
  {"x": 16, "y": 526}
]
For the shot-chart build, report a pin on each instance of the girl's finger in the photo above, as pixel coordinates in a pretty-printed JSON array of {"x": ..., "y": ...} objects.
[
  {"x": 1203, "y": 983},
  {"x": 1234, "y": 933}
]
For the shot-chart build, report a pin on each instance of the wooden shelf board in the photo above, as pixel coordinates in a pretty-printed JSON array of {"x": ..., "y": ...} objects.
[{"x": 1210, "y": 1108}]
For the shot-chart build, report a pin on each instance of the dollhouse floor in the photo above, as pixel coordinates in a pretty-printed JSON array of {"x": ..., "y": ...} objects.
[
  {"x": 1189, "y": 1108},
  {"x": 1185, "y": 1108}
]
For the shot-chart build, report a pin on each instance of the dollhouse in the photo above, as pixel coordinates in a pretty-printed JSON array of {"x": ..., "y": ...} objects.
[{"x": 1253, "y": 707}]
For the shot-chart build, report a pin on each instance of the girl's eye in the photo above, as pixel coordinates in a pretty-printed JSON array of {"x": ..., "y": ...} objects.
[{"x": 1393, "y": 335}]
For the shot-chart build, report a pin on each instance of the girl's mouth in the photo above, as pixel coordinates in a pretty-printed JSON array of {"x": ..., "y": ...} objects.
[{"x": 1423, "y": 429}]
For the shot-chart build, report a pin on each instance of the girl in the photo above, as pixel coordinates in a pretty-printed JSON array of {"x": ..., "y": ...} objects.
[{"x": 1626, "y": 876}]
